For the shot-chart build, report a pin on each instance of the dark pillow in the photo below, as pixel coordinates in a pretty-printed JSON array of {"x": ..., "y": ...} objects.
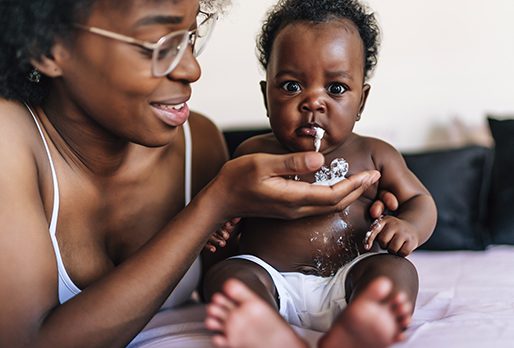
[
  {"x": 501, "y": 213},
  {"x": 457, "y": 180},
  {"x": 237, "y": 136}
]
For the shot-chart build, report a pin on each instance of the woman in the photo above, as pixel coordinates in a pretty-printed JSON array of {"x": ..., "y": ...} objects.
[{"x": 95, "y": 149}]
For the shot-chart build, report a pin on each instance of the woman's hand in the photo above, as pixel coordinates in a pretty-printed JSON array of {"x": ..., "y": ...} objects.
[{"x": 255, "y": 185}]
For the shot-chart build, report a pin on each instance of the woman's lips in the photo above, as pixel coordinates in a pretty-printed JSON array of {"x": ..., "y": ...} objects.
[{"x": 172, "y": 115}]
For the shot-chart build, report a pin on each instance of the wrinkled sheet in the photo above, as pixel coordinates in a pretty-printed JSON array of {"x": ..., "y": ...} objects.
[{"x": 466, "y": 299}]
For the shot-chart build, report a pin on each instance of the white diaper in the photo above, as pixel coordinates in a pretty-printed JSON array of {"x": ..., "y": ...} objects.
[{"x": 309, "y": 301}]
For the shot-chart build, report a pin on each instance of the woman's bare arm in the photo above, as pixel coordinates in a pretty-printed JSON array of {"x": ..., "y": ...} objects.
[{"x": 111, "y": 311}]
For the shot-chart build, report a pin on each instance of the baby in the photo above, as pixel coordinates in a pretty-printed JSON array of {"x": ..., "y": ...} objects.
[{"x": 318, "y": 55}]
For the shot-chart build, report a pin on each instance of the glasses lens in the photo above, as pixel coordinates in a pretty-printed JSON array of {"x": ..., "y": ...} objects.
[
  {"x": 170, "y": 50},
  {"x": 205, "y": 23}
]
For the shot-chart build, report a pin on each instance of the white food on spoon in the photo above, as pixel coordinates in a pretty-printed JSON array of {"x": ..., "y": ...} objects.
[{"x": 320, "y": 132}]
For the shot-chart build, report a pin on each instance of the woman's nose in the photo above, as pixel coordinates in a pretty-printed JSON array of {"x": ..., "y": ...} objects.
[{"x": 188, "y": 69}]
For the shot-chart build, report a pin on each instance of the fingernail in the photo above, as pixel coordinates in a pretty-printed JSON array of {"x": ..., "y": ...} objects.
[{"x": 374, "y": 177}]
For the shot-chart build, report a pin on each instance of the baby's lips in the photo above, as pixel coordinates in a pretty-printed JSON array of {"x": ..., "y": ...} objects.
[{"x": 306, "y": 131}]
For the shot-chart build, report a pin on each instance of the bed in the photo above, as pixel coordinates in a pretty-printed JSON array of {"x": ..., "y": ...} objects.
[{"x": 466, "y": 299}]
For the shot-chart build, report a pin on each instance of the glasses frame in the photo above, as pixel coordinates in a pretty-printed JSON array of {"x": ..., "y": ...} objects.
[{"x": 188, "y": 38}]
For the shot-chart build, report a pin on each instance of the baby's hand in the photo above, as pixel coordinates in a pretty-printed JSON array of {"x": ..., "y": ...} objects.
[
  {"x": 397, "y": 236},
  {"x": 220, "y": 237}
]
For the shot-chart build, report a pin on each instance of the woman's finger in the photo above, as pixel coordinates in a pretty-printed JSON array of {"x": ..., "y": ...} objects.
[
  {"x": 341, "y": 194},
  {"x": 295, "y": 163}
]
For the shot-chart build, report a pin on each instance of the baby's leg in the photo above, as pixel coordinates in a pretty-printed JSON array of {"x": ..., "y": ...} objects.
[
  {"x": 398, "y": 269},
  {"x": 248, "y": 272}
]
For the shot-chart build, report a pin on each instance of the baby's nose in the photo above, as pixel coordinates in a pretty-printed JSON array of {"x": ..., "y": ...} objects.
[{"x": 313, "y": 104}]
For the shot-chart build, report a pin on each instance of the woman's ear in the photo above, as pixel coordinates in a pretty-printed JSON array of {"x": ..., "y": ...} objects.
[
  {"x": 365, "y": 92},
  {"x": 264, "y": 95},
  {"x": 50, "y": 65}
]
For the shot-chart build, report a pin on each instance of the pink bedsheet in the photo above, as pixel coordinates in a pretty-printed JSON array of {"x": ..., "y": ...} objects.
[{"x": 466, "y": 299}]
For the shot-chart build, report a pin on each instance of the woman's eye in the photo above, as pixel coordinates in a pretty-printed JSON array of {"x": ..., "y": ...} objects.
[
  {"x": 291, "y": 86},
  {"x": 146, "y": 52},
  {"x": 336, "y": 88}
]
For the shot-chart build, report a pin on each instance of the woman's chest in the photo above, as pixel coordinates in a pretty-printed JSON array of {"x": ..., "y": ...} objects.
[{"x": 101, "y": 225}]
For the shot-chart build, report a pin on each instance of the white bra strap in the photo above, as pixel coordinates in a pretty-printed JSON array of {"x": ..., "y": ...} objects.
[
  {"x": 55, "y": 209},
  {"x": 188, "y": 161}
]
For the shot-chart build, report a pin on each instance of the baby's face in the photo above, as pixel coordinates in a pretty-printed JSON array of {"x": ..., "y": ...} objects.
[{"x": 315, "y": 78}]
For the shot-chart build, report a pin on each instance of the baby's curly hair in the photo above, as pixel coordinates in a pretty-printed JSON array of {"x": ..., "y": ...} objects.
[
  {"x": 286, "y": 12},
  {"x": 29, "y": 29}
]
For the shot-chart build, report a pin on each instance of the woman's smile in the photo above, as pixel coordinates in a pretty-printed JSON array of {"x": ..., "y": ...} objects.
[{"x": 173, "y": 114}]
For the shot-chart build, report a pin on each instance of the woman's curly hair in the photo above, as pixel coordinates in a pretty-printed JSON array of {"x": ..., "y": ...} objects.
[
  {"x": 286, "y": 12},
  {"x": 28, "y": 31}
]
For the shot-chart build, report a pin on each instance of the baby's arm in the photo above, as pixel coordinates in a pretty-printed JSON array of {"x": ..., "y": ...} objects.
[{"x": 416, "y": 215}]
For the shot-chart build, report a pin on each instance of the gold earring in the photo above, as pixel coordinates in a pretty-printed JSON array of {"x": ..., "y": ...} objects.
[{"x": 34, "y": 76}]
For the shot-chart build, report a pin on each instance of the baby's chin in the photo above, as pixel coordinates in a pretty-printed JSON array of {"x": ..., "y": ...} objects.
[{"x": 303, "y": 144}]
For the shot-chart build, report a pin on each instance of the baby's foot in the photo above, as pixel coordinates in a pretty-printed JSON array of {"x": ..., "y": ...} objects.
[
  {"x": 375, "y": 318},
  {"x": 244, "y": 320}
]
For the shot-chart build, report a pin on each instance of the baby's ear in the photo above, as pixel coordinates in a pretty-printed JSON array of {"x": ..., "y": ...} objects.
[
  {"x": 365, "y": 92},
  {"x": 264, "y": 85}
]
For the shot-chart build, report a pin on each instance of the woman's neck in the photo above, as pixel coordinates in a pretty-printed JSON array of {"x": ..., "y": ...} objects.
[{"x": 80, "y": 139}]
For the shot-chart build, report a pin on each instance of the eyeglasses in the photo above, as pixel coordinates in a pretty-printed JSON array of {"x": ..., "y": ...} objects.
[{"x": 169, "y": 50}]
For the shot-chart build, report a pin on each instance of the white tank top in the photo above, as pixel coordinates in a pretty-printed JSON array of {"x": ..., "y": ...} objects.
[{"x": 68, "y": 289}]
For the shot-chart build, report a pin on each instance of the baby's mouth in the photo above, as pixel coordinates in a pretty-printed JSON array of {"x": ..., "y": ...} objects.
[
  {"x": 312, "y": 131},
  {"x": 309, "y": 130}
]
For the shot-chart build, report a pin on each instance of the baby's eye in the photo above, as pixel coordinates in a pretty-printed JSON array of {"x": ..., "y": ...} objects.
[
  {"x": 336, "y": 88},
  {"x": 291, "y": 87}
]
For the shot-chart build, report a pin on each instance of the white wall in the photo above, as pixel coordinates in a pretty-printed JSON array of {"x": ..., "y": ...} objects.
[{"x": 441, "y": 61}]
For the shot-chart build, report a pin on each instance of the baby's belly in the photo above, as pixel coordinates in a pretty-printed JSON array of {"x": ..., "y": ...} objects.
[{"x": 316, "y": 245}]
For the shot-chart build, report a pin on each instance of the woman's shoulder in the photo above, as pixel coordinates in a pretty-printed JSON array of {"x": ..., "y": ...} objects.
[
  {"x": 17, "y": 128},
  {"x": 19, "y": 152}
]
